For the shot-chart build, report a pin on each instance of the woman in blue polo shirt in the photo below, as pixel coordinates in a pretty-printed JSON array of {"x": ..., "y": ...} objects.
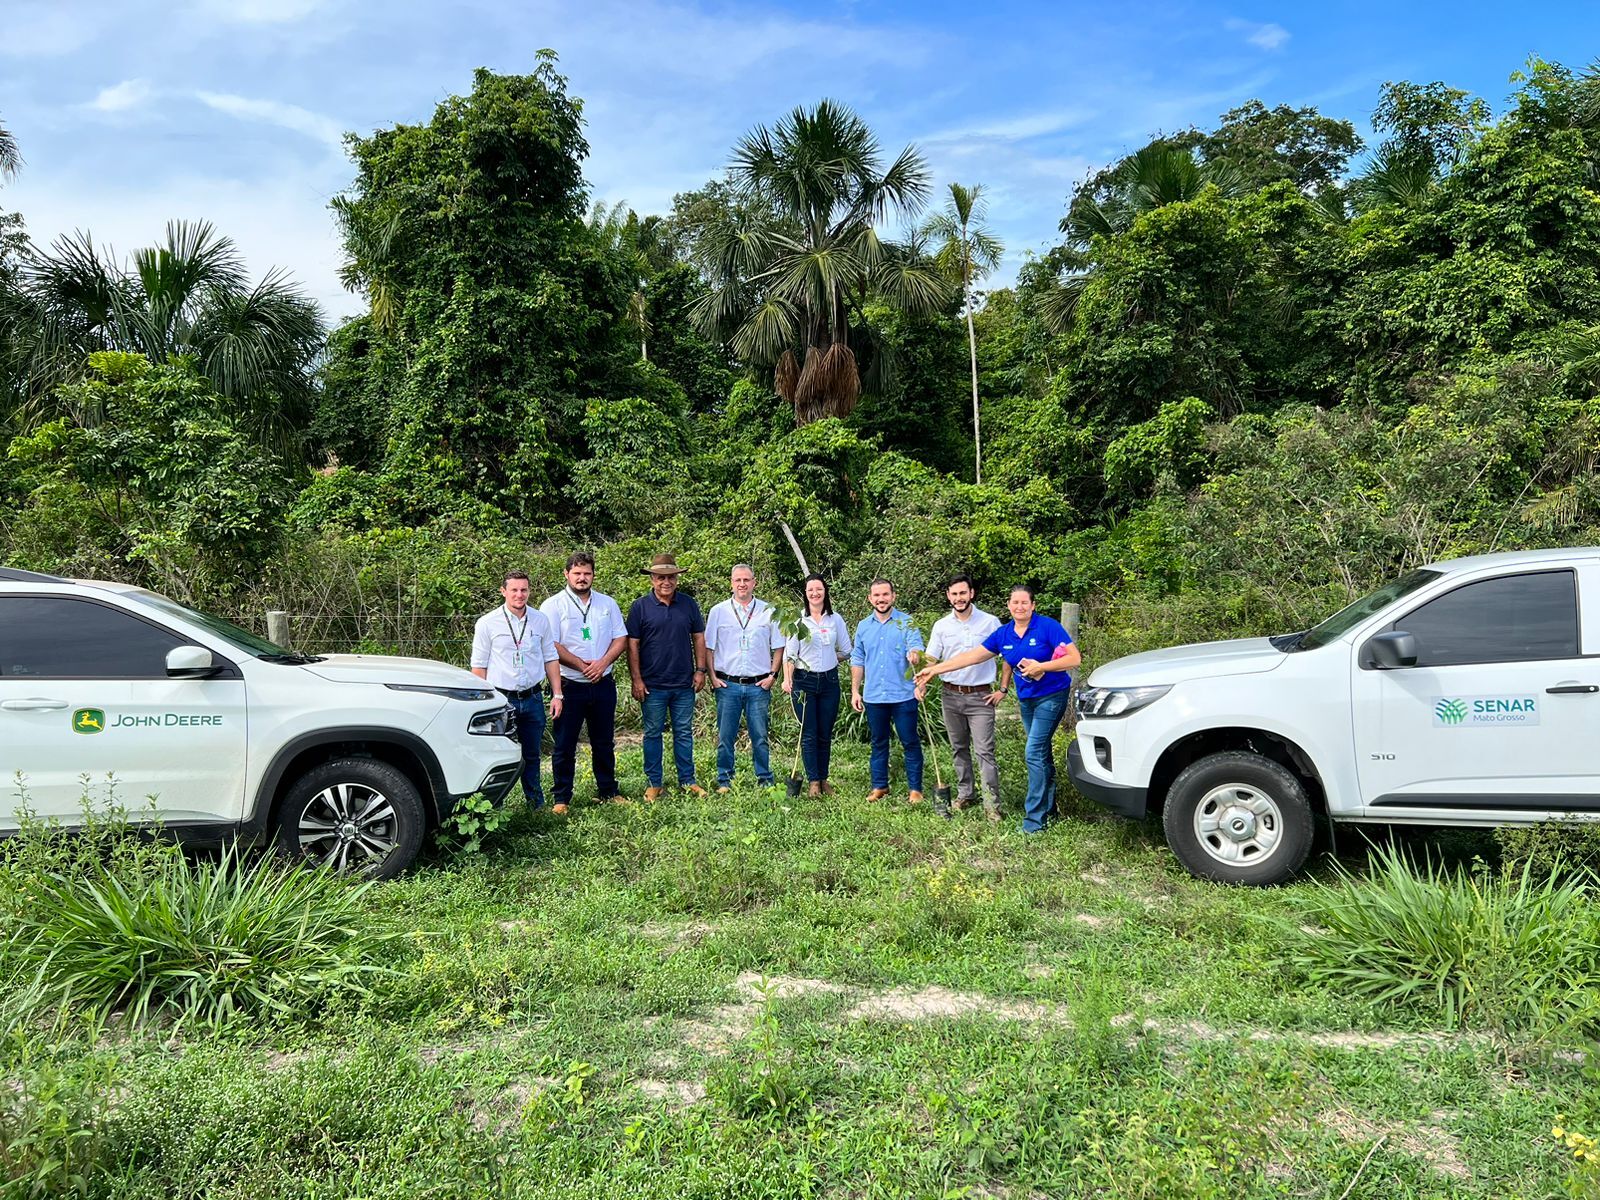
[{"x": 1041, "y": 654}]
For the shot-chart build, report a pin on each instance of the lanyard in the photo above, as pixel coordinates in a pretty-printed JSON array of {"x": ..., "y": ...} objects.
[
  {"x": 583, "y": 609},
  {"x": 516, "y": 638},
  {"x": 744, "y": 621}
]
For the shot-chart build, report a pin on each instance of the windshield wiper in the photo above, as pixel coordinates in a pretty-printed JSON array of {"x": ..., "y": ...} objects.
[
  {"x": 290, "y": 659},
  {"x": 1288, "y": 642}
]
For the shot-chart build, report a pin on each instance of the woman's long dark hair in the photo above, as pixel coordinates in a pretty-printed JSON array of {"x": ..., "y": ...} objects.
[{"x": 827, "y": 596}]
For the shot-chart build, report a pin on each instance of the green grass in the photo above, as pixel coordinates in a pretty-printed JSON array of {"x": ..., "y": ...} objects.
[{"x": 763, "y": 997}]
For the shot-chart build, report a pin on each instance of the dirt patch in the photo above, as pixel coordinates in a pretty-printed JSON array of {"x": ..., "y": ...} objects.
[
  {"x": 678, "y": 1093},
  {"x": 730, "y": 1023},
  {"x": 1431, "y": 1142},
  {"x": 284, "y": 1060},
  {"x": 688, "y": 934},
  {"x": 504, "y": 1110},
  {"x": 934, "y": 1003},
  {"x": 1038, "y": 970},
  {"x": 1096, "y": 922}
]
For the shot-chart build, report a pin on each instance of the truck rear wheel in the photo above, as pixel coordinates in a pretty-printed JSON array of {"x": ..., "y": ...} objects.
[
  {"x": 356, "y": 815},
  {"x": 1238, "y": 817}
]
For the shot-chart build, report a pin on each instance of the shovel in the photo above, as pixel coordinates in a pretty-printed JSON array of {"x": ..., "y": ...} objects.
[
  {"x": 795, "y": 782},
  {"x": 941, "y": 790}
]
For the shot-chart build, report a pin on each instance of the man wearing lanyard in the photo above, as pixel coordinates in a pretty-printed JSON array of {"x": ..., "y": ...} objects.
[
  {"x": 666, "y": 644},
  {"x": 512, "y": 649},
  {"x": 970, "y": 695},
  {"x": 589, "y": 638},
  {"x": 744, "y": 649},
  {"x": 885, "y": 643}
]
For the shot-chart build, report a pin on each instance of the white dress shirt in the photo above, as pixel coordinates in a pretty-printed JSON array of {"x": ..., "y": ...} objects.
[
  {"x": 585, "y": 630},
  {"x": 828, "y": 646},
  {"x": 742, "y": 638},
  {"x": 514, "y": 649},
  {"x": 951, "y": 636}
]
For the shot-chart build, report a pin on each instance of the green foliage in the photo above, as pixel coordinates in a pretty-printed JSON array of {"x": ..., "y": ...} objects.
[
  {"x": 764, "y": 1085},
  {"x": 200, "y": 942},
  {"x": 472, "y": 821},
  {"x": 1172, "y": 443},
  {"x": 159, "y": 471},
  {"x": 1551, "y": 847},
  {"x": 52, "y": 1122},
  {"x": 1518, "y": 953}
]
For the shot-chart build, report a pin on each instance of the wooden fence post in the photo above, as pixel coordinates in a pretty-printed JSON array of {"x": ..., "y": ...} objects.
[
  {"x": 1070, "y": 613},
  {"x": 278, "y": 628}
]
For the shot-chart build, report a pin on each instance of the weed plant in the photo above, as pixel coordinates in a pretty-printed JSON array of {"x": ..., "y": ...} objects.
[{"x": 1517, "y": 954}]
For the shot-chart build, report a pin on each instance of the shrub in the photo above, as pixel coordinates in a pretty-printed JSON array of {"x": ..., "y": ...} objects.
[
  {"x": 1551, "y": 847},
  {"x": 1515, "y": 954},
  {"x": 51, "y": 1123},
  {"x": 199, "y": 941}
]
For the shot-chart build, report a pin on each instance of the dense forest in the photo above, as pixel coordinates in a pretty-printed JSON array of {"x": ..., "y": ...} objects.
[{"x": 1264, "y": 366}]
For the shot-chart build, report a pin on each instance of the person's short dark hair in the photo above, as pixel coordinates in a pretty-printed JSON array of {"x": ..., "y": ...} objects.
[
  {"x": 880, "y": 579},
  {"x": 827, "y": 595},
  {"x": 518, "y": 573},
  {"x": 971, "y": 583},
  {"x": 1023, "y": 587},
  {"x": 580, "y": 558}
]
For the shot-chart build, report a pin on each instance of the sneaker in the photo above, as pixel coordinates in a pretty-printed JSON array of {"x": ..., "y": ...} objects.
[
  {"x": 653, "y": 793},
  {"x": 877, "y": 794},
  {"x": 913, "y": 797},
  {"x": 693, "y": 789},
  {"x": 559, "y": 809}
]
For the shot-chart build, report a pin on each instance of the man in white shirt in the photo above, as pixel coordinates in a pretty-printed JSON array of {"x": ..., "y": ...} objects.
[
  {"x": 970, "y": 694},
  {"x": 744, "y": 649},
  {"x": 590, "y": 636},
  {"x": 513, "y": 650}
]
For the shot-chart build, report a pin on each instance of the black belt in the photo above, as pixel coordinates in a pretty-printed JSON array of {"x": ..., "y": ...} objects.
[
  {"x": 741, "y": 678},
  {"x": 817, "y": 674},
  {"x": 522, "y": 695}
]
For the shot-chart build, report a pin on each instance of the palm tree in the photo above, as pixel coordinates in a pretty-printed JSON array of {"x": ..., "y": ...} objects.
[
  {"x": 796, "y": 261},
  {"x": 1158, "y": 175},
  {"x": 967, "y": 252},
  {"x": 1397, "y": 178},
  {"x": 645, "y": 249},
  {"x": 10, "y": 156},
  {"x": 189, "y": 295}
]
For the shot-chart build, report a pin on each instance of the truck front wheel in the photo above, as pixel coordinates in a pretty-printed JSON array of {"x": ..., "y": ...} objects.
[
  {"x": 357, "y": 815},
  {"x": 1238, "y": 817}
]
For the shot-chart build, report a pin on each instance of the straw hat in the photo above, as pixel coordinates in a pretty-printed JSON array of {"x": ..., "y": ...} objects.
[{"x": 663, "y": 564}]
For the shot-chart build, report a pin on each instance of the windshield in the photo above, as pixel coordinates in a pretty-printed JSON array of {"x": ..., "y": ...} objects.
[
  {"x": 250, "y": 643},
  {"x": 1351, "y": 615}
]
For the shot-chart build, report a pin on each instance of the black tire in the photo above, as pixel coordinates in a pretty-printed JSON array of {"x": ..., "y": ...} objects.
[
  {"x": 1237, "y": 817},
  {"x": 354, "y": 814}
]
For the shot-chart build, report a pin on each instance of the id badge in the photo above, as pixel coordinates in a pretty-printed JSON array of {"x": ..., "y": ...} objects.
[
  {"x": 746, "y": 639},
  {"x": 516, "y": 659},
  {"x": 588, "y": 634},
  {"x": 825, "y": 636}
]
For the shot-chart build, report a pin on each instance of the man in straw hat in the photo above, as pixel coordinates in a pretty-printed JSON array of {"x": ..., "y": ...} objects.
[{"x": 666, "y": 644}]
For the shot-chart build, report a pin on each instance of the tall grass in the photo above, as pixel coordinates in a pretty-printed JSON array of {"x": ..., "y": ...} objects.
[
  {"x": 1517, "y": 953},
  {"x": 194, "y": 941}
]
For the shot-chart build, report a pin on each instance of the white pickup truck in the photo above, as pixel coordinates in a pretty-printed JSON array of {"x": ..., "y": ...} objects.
[
  {"x": 344, "y": 759},
  {"x": 1464, "y": 693}
]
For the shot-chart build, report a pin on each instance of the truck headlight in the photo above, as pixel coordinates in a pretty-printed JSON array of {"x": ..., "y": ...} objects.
[
  {"x": 449, "y": 693},
  {"x": 494, "y": 722},
  {"x": 1103, "y": 702}
]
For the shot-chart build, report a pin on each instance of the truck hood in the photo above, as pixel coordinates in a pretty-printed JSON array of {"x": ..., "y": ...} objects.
[
  {"x": 1206, "y": 660},
  {"x": 384, "y": 668}
]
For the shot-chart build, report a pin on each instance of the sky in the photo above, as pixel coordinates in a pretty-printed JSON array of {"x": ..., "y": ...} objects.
[{"x": 130, "y": 113}]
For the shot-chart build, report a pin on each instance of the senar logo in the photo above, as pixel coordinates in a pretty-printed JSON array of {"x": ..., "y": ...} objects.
[
  {"x": 1468, "y": 712},
  {"x": 89, "y": 720},
  {"x": 1450, "y": 711}
]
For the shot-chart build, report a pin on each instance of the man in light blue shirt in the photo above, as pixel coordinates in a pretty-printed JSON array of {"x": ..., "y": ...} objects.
[{"x": 887, "y": 644}]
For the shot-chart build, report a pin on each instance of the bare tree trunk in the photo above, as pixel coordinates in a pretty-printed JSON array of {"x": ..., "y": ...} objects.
[
  {"x": 795, "y": 546},
  {"x": 977, "y": 441}
]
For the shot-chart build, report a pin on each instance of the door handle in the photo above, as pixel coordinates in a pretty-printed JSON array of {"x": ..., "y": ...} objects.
[
  {"x": 32, "y": 704},
  {"x": 1572, "y": 689}
]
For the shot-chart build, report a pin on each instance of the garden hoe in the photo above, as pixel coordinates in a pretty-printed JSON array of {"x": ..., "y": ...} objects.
[
  {"x": 941, "y": 790},
  {"x": 795, "y": 782}
]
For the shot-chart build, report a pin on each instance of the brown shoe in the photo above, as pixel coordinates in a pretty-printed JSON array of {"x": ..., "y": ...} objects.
[
  {"x": 992, "y": 814},
  {"x": 827, "y": 788},
  {"x": 560, "y": 810},
  {"x": 960, "y": 802},
  {"x": 694, "y": 789},
  {"x": 816, "y": 789},
  {"x": 721, "y": 791},
  {"x": 653, "y": 793},
  {"x": 877, "y": 794},
  {"x": 619, "y": 798},
  {"x": 913, "y": 797}
]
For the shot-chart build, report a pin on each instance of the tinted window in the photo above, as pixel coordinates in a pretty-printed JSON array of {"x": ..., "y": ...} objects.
[
  {"x": 55, "y": 637},
  {"x": 1515, "y": 618}
]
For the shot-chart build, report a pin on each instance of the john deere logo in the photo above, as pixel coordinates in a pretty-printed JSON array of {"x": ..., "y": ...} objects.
[
  {"x": 1451, "y": 712},
  {"x": 89, "y": 720}
]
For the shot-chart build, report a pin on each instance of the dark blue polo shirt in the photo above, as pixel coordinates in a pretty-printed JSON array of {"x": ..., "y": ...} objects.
[{"x": 666, "y": 639}]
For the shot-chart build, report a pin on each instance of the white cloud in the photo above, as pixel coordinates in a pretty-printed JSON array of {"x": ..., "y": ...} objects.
[
  {"x": 275, "y": 112},
  {"x": 119, "y": 97},
  {"x": 259, "y": 12},
  {"x": 1270, "y": 36},
  {"x": 1014, "y": 129}
]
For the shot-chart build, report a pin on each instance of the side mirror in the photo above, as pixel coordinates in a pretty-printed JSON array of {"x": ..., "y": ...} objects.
[
  {"x": 1391, "y": 650},
  {"x": 190, "y": 662}
]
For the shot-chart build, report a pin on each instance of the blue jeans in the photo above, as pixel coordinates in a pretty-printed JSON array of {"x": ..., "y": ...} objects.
[
  {"x": 753, "y": 703},
  {"x": 530, "y": 732},
  {"x": 816, "y": 704},
  {"x": 656, "y": 706},
  {"x": 1040, "y": 720},
  {"x": 903, "y": 717}
]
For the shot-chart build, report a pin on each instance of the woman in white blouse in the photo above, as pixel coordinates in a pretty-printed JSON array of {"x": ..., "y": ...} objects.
[{"x": 811, "y": 680}]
